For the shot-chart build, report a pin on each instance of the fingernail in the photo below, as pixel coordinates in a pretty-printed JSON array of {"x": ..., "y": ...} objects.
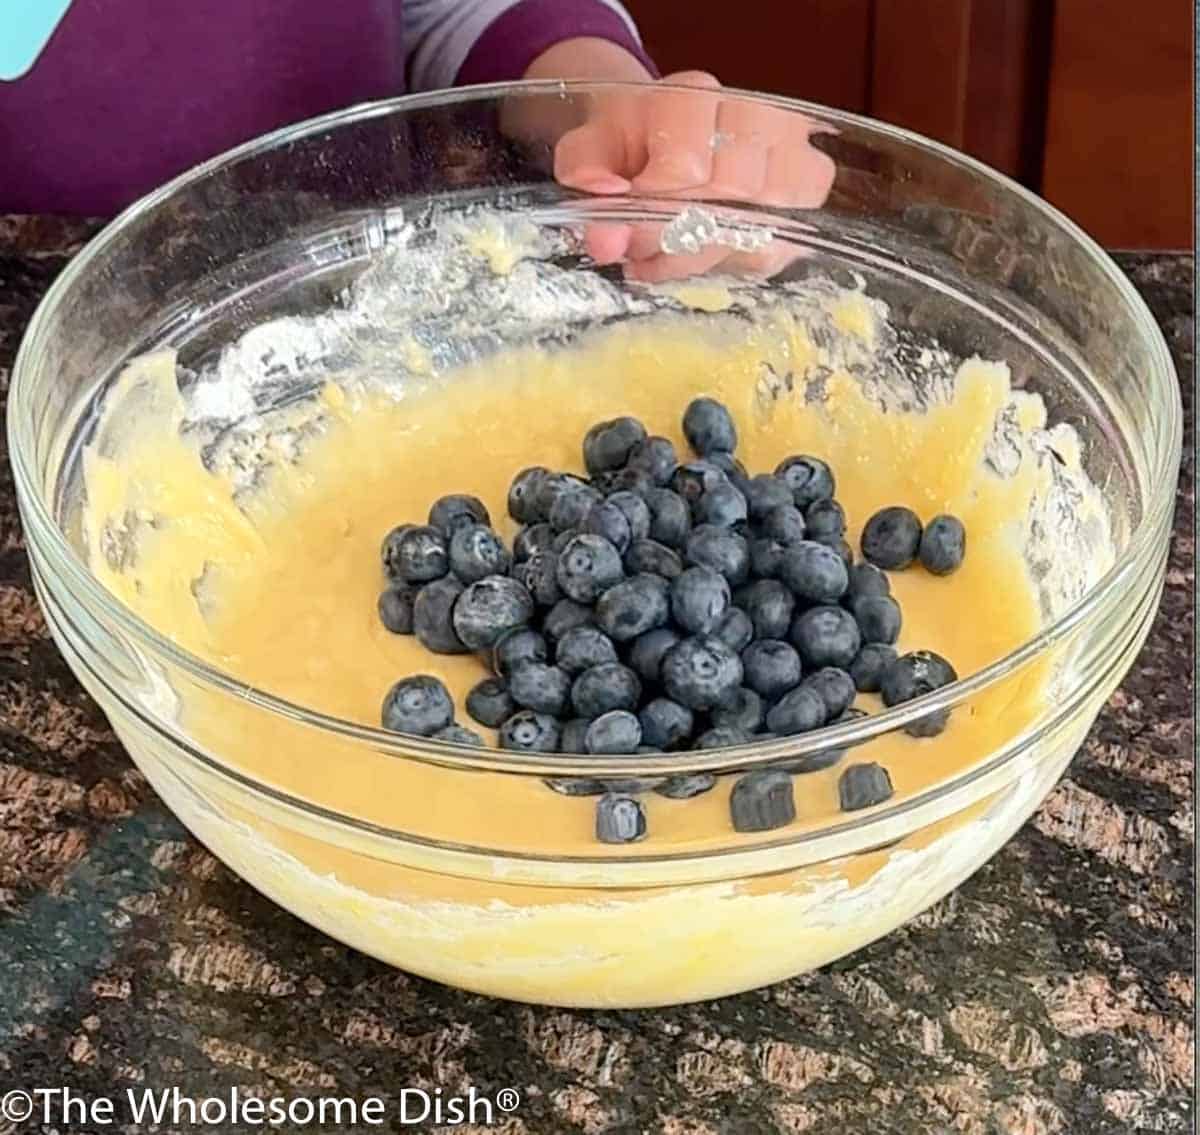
[{"x": 597, "y": 181}]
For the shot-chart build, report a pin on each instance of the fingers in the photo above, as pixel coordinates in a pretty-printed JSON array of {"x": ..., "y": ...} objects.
[
  {"x": 746, "y": 132},
  {"x": 645, "y": 260},
  {"x": 678, "y": 127},
  {"x": 592, "y": 158},
  {"x": 667, "y": 266},
  {"x": 692, "y": 144},
  {"x": 607, "y": 243},
  {"x": 799, "y": 176}
]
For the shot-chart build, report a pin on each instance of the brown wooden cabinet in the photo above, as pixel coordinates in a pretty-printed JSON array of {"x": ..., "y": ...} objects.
[{"x": 1089, "y": 102}]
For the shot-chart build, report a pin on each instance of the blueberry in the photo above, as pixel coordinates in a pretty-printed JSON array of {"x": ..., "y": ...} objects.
[
  {"x": 771, "y": 668},
  {"x": 809, "y": 478},
  {"x": 572, "y": 741},
  {"x": 490, "y": 607},
  {"x": 878, "y": 618},
  {"x": 433, "y": 616},
  {"x": 826, "y": 522},
  {"x": 666, "y": 724},
  {"x": 583, "y": 647},
  {"x": 864, "y": 786},
  {"x": 653, "y": 558},
  {"x": 614, "y": 733},
  {"x": 396, "y": 609},
  {"x": 587, "y": 567},
  {"x": 695, "y": 478},
  {"x": 800, "y": 711},
  {"x": 765, "y": 493},
  {"x": 891, "y": 538},
  {"x": 701, "y": 673},
  {"x": 490, "y": 703},
  {"x": 721, "y": 549},
  {"x": 421, "y": 555},
  {"x": 636, "y": 511},
  {"x": 539, "y": 574},
  {"x": 563, "y": 539},
  {"x": 834, "y": 687},
  {"x": 869, "y": 664},
  {"x": 536, "y": 538},
  {"x": 814, "y": 572},
  {"x": 551, "y": 487},
  {"x": 912, "y": 676},
  {"x": 633, "y": 607},
  {"x": 670, "y": 517},
  {"x": 723, "y": 506},
  {"x": 733, "y": 469},
  {"x": 623, "y": 481},
  {"x": 708, "y": 426},
  {"x": 846, "y": 552},
  {"x": 745, "y": 712},
  {"x": 607, "y": 520},
  {"x": 734, "y": 629},
  {"x": 564, "y": 615},
  {"x": 389, "y": 551},
  {"x": 529, "y": 732},
  {"x": 646, "y": 652},
  {"x": 943, "y": 545},
  {"x": 523, "y": 644},
  {"x": 448, "y": 513},
  {"x": 619, "y": 819},
  {"x": 523, "y": 495},
  {"x": 826, "y": 636},
  {"x": 785, "y": 525},
  {"x": 866, "y": 579},
  {"x": 762, "y": 801},
  {"x": 606, "y": 687},
  {"x": 654, "y": 456},
  {"x": 766, "y": 558},
  {"x": 699, "y": 597},
  {"x": 542, "y": 688},
  {"x": 721, "y": 737},
  {"x": 607, "y": 445},
  {"x": 770, "y": 606},
  {"x": 571, "y": 507},
  {"x": 459, "y": 735},
  {"x": 476, "y": 551},
  {"x": 419, "y": 705},
  {"x": 685, "y": 785}
]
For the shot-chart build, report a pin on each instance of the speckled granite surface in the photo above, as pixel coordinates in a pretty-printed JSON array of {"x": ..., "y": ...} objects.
[{"x": 1052, "y": 993}]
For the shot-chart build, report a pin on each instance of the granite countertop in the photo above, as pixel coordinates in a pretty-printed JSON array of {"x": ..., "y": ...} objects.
[{"x": 1053, "y": 992}]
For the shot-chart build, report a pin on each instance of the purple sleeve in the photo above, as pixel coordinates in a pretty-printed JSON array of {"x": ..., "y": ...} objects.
[
  {"x": 456, "y": 42},
  {"x": 516, "y": 37}
]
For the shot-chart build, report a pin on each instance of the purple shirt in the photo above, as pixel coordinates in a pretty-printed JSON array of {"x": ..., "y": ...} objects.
[{"x": 129, "y": 93}]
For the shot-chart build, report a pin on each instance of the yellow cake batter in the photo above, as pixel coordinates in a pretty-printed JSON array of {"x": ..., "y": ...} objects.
[
  {"x": 290, "y": 579},
  {"x": 277, "y": 588}
]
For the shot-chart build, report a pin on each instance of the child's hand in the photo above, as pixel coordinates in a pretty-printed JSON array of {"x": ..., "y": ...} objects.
[{"x": 694, "y": 143}]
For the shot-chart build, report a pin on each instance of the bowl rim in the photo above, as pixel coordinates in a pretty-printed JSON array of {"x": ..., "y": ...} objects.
[{"x": 1149, "y": 531}]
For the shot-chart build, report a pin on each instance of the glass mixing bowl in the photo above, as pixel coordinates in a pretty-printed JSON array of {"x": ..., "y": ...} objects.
[{"x": 399, "y": 859}]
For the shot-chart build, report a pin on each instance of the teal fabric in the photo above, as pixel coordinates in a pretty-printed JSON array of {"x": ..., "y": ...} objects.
[{"x": 25, "y": 28}]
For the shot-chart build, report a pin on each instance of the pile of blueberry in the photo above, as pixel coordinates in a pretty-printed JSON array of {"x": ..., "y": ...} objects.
[{"x": 662, "y": 605}]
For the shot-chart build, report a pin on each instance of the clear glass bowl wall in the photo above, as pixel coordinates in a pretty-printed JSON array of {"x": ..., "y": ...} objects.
[{"x": 278, "y": 227}]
